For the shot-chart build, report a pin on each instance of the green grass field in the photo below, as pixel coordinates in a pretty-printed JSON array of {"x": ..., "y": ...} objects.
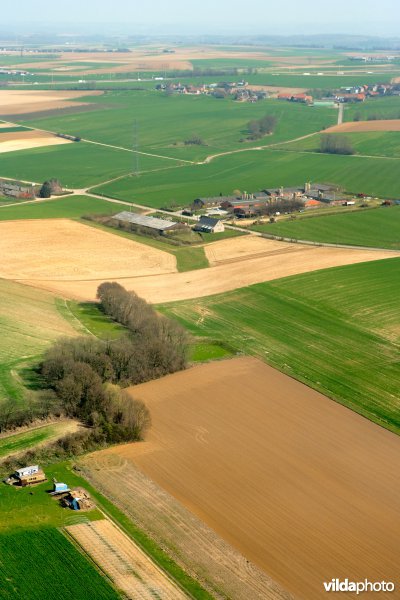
[
  {"x": 93, "y": 320},
  {"x": 383, "y": 107},
  {"x": 164, "y": 123},
  {"x": 70, "y": 207},
  {"x": 76, "y": 165},
  {"x": 371, "y": 143},
  {"x": 29, "y": 321},
  {"x": 20, "y": 442},
  {"x": 378, "y": 228},
  {"x": 256, "y": 170},
  {"x": 35, "y": 516},
  {"x": 336, "y": 330},
  {"x": 44, "y": 565}
]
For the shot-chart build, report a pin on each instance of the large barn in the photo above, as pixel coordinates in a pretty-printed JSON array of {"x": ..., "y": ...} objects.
[{"x": 156, "y": 225}]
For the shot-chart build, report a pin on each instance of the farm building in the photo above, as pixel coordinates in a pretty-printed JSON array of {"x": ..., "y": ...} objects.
[
  {"x": 151, "y": 224},
  {"x": 18, "y": 190},
  {"x": 200, "y": 203},
  {"x": 246, "y": 207},
  {"x": 209, "y": 225},
  {"x": 27, "y": 476}
]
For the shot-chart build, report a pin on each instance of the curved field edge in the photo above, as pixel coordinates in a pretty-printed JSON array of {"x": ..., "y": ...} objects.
[
  {"x": 336, "y": 330},
  {"x": 373, "y": 228}
]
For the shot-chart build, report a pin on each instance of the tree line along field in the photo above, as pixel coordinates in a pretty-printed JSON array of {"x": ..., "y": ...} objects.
[
  {"x": 256, "y": 170},
  {"x": 163, "y": 121},
  {"x": 371, "y": 228},
  {"x": 336, "y": 330}
]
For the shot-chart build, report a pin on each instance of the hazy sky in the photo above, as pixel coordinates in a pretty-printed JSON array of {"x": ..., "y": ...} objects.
[{"x": 260, "y": 16}]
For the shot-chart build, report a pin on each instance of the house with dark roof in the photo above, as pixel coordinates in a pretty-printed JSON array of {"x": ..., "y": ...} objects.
[{"x": 209, "y": 225}]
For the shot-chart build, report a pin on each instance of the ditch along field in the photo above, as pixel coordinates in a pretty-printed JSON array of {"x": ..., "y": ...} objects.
[
  {"x": 71, "y": 260},
  {"x": 282, "y": 473}
]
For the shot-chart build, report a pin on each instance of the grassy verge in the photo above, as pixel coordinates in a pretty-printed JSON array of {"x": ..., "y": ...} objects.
[
  {"x": 93, "y": 320},
  {"x": 12, "y": 444}
]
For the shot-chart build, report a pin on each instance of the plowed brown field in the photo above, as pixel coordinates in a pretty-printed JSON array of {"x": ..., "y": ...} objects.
[
  {"x": 364, "y": 126},
  {"x": 303, "y": 487}
]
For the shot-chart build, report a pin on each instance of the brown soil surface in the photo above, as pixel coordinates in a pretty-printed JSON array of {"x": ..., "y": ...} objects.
[
  {"x": 16, "y": 102},
  {"x": 303, "y": 487},
  {"x": 22, "y": 140},
  {"x": 125, "y": 563},
  {"x": 362, "y": 126},
  {"x": 66, "y": 250},
  {"x": 243, "y": 248},
  {"x": 291, "y": 259},
  {"x": 220, "y": 568}
]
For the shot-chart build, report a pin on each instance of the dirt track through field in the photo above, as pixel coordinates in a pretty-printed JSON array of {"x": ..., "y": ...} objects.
[
  {"x": 124, "y": 562},
  {"x": 274, "y": 263},
  {"x": 303, "y": 487},
  {"x": 365, "y": 126},
  {"x": 69, "y": 251}
]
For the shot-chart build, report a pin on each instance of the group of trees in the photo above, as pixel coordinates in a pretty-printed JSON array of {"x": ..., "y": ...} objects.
[
  {"x": 88, "y": 375},
  {"x": 335, "y": 144},
  {"x": 260, "y": 127}
]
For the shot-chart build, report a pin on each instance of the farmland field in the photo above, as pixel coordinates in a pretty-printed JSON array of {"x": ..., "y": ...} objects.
[
  {"x": 279, "y": 471},
  {"x": 68, "y": 573},
  {"x": 76, "y": 164},
  {"x": 256, "y": 170},
  {"x": 66, "y": 250},
  {"x": 368, "y": 143},
  {"x": 30, "y": 321},
  {"x": 277, "y": 260},
  {"x": 70, "y": 207},
  {"x": 164, "y": 123},
  {"x": 373, "y": 228},
  {"x": 14, "y": 443},
  {"x": 336, "y": 330}
]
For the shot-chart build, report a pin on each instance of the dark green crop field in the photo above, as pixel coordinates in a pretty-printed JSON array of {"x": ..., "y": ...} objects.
[
  {"x": 336, "y": 330},
  {"x": 379, "y": 228}
]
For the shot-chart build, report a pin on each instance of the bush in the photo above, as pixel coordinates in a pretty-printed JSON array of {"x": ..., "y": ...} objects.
[
  {"x": 335, "y": 144},
  {"x": 261, "y": 127}
]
